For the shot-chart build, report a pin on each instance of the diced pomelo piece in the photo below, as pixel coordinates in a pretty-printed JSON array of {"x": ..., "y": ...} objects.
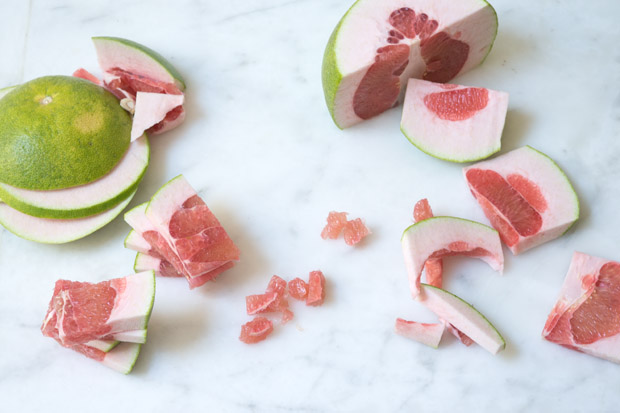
[
  {"x": 525, "y": 195},
  {"x": 463, "y": 316},
  {"x": 379, "y": 44},
  {"x": 256, "y": 330},
  {"x": 298, "y": 289},
  {"x": 441, "y": 237},
  {"x": 163, "y": 268},
  {"x": 335, "y": 224},
  {"x": 56, "y": 231},
  {"x": 6, "y": 90},
  {"x": 454, "y": 123},
  {"x": 429, "y": 334},
  {"x": 586, "y": 317},
  {"x": 259, "y": 303},
  {"x": 86, "y": 75},
  {"x": 354, "y": 231},
  {"x": 316, "y": 289}
]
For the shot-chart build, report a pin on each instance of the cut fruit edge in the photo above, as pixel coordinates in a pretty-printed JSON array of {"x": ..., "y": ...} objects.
[
  {"x": 123, "y": 357},
  {"x": 428, "y": 334}
]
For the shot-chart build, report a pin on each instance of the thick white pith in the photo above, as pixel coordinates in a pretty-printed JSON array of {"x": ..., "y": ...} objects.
[
  {"x": 145, "y": 262},
  {"x": 150, "y": 109},
  {"x": 135, "y": 242},
  {"x": 428, "y": 334},
  {"x": 123, "y": 357},
  {"x": 132, "y": 307}
]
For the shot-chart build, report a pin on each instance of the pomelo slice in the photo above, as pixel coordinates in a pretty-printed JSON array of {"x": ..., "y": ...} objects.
[
  {"x": 463, "y": 316},
  {"x": 6, "y": 90},
  {"x": 378, "y": 45},
  {"x": 135, "y": 241},
  {"x": 80, "y": 312},
  {"x": 88, "y": 199},
  {"x": 441, "y": 237},
  {"x": 163, "y": 268},
  {"x": 454, "y": 123},
  {"x": 102, "y": 345},
  {"x": 429, "y": 334},
  {"x": 121, "y": 358},
  {"x": 586, "y": 316},
  {"x": 90, "y": 134},
  {"x": 133, "y": 336},
  {"x": 56, "y": 231},
  {"x": 525, "y": 195}
]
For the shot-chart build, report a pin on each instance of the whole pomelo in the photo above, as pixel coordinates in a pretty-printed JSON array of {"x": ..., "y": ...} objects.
[{"x": 58, "y": 132}]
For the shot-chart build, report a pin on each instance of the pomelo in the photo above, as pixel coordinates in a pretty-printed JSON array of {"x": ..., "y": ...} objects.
[
  {"x": 56, "y": 231},
  {"x": 316, "y": 289},
  {"x": 425, "y": 333},
  {"x": 256, "y": 330},
  {"x": 586, "y": 316},
  {"x": 88, "y": 199},
  {"x": 298, "y": 289},
  {"x": 135, "y": 241},
  {"x": 58, "y": 132},
  {"x": 378, "y": 45},
  {"x": 335, "y": 224},
  {"x": 6, "y": 90},
  {"x": 441, "y": 237},
  {"x": 526, "y": 197},
  {"x": 121, "y": 358},
  {"x": 163, "y": 268},
  {"x": 452, "y": 122}
]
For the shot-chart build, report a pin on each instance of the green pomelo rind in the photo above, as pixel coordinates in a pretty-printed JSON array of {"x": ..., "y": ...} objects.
[
  {"x": 11, "y": 198},
  {"x": 123, "y": 358},
  {"x": 75, "y": 138},
  {"x": 5, "y": 90},
  {"x": 429, "y": 220},
  {"x": 62, "y": 236},
  {"x": 103, "y": 345},
  {"x": 142, "y": 52}
]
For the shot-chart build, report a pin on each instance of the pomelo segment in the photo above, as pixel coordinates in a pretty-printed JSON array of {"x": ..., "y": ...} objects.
[
  {"x": 586, "y": 316},
  {"x": 88, "y": 199},
  {"x": 525, "y": 195},
  {"x": 378, "y": 45},
  {"x": 441, "y": 237},
  {"x": 428, "y": 334},
  {"x": 162, "y": 268},
  {"x": 56, "y": 231},
  {"x": 90, "y": 134},
  {"x": 454, "y": 123}
]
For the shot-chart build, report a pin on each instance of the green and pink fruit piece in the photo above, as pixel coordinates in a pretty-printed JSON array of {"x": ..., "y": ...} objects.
[
  {"x": 526, "y": 197},
  {"x": 452, "y": 122},
  {"x": 162, "y": 268},
  {"x": 426, "y": 333},
  {"x": 586, "y": 316},
  {"x": 121, "y": 358},
  {"x": 378, "y": 45}
]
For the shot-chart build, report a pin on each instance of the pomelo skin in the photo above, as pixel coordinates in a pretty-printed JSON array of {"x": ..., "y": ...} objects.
[
  {"x": 525, "y": 195},
  {"x": 58, "y": 132},
  {"x": 452, "y": 122},
  {"x": 379, "y": 44},
  {"x": 586, "y": 316}
]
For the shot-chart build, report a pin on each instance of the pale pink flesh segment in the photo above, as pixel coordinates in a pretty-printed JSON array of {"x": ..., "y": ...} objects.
[
  {"x": 562, "y": 203},
  {"x": 421, "y": 240},
  {"x": 428, "y": 334},
  {"x": 150, "y": 109},
  {"x": 472, "y": 138},
  {"x": 86, "y": 75}
]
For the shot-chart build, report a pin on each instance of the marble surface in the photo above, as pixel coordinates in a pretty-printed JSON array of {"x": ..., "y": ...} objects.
[{"x": 260, "y": 146}]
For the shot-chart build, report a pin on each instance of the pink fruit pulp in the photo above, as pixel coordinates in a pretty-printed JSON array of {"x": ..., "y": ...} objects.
[
  {"x": 256, "y": 330},
  {"x": 457, "y": 105}
]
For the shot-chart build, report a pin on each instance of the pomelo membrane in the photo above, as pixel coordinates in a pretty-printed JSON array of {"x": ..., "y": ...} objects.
[
  {"x": 586, "y": 316},
  {"x": 452, "y": 122},
  {"x": 525, "y": 196},
  {"x": 378, "y": 45}
]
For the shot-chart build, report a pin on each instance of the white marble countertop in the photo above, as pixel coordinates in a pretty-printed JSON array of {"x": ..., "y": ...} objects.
[{"x": 260, "y": 146}]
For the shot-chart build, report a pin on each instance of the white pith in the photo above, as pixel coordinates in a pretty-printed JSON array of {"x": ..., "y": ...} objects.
[{"x": 428, "y": 334}]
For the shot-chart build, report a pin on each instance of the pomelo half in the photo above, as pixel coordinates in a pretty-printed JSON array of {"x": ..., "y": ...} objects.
[
  {"x": 88, "y": 199},
  {"x": 452, "y": 122},
  {"x": 525, "y": 195},
  {"x": 441, "y": 237},
  {"x": 56, "y": 231},
  {"x": 58, "y": 132},
  {"x": 586, "y": 316},
  {"x": 378, "y": 45}
]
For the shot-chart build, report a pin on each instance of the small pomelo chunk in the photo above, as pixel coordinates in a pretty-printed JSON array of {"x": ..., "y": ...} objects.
[
  {"x": 452, "y": 122},
  {"x": 162, "y": 268},
  {"x": 316, "y": 289},
  {"x": 525, "y": 196},
  {"x": 586, "y": 316},
  {"x": 298, "y": 289},
  {"x": 429, "y": 334},
  {"x": 256, "y": 330}
]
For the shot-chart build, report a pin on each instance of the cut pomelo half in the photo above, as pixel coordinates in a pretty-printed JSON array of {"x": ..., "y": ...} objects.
[
  {"x": 454, "y": 123},
  {"x": 586, "y": 317},
  {"x": 80, "y": 312},
  {"x": 429, "y": 334},
  {"x": 88, "y": 199},
  {"x": 378, "y": 45},
  {"x": 525, "y": 196},
  {"x": 442, "y": 237},
  {"x": 56, "y": 231},
  {"x": 463, "y": 316},
  {"x": 162, "y": 268}
]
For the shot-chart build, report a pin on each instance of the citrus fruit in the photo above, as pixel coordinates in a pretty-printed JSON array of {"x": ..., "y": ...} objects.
[
  {"x": 354, "y": 231},
  {"x": 441, "y": 237},
  {"x": 454, "y": 123},
  {"x": 525, "y": 196},
  {"x": 256, "y": 330},
  {"x": 316, "y": 289},
  {"x": 298, "y": 289},
  {"x": 260, "y": 303},
  {"x": 586, "y": 317},
  {"x": 58, "y": 132},
  {"x": 121, "y": 358},
  {"x": 163, "y": 268},
  {"x": 378, "y": 45},
  {"x": 335, "y": 224},
  {"x": 425, "y": 333}
]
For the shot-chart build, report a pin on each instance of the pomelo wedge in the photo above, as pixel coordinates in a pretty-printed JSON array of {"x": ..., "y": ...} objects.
[
  {"x": 586, "y": 316},
  {"x": 526, "y": 197},
  {"x": 452, "y": 122},
  {"x": 56, "y": 231},
  {"x": 441, "y": 237},
  {"x": 429, "y": 334},
  {"x": 463, "y": 316},
  {"x": 134, "y": 241},
  {"x": 163, "y": 268},
  {"x": 378, "y": 45},
  {"x": 88, "y": 199}
]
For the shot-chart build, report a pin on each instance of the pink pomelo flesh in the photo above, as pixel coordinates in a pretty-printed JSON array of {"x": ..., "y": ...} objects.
[
  {"x": 525, "y": 196},
  {"x": 456, "y": 105},
  {"x": 316, "y": 289},
  {"x": 587, "y": 315},
  {"x": 335, "y": 224},
  {"x": 256, "y": 330},
  {"x": 354, "y": 231},
  {"x": 273, "y": 300},
  {"x": 298, "y": 289},
  {"x": 429, "y": 334}
]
